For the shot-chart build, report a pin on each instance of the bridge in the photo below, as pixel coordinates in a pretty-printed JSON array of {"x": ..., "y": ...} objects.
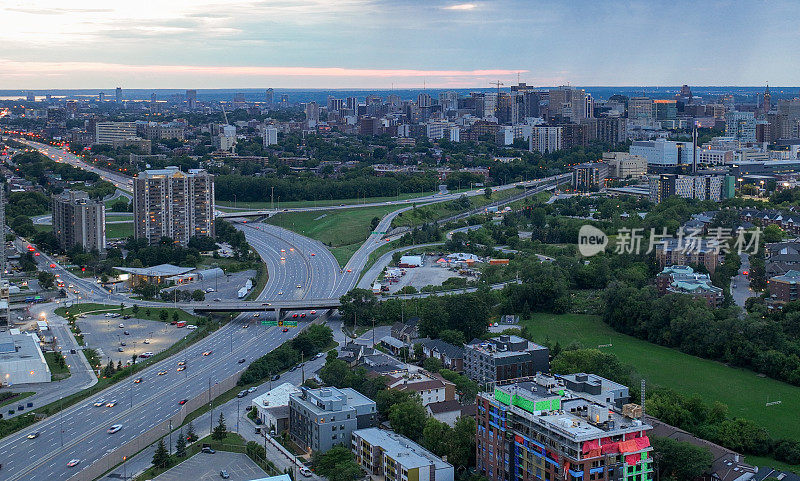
[{"x": 259, "y": 306}]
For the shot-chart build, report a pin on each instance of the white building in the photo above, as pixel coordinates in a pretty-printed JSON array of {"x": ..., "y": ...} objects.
[
  {"x": 740, "y": 125},
  {"x": 272, "y": 407},
  {"x": 108, "y": 132},
  {"x": 270, "y": 136},
  {"x": 622, "y": 165},
  {"x": 21, "y": 360},
  {"x": 545, "y": 139},
  {"x": 394, "y": 457},
  {"x": 715, "y": 156},
  {"x": 663, "y": 153}
]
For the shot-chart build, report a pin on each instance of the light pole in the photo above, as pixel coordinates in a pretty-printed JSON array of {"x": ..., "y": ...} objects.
[{"x": 237, "y": 415}]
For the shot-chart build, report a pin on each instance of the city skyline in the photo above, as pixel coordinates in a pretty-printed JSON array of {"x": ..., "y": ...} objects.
[{"x": 376, "y": 44}]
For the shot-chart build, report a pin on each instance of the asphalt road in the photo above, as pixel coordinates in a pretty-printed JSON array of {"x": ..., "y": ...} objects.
[
  {"x": 742, "y": 291},
  {"x": 58, "y": 154}
]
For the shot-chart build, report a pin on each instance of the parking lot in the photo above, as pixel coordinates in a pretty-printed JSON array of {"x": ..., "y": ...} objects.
[
  {"x": 429, "y": 274},
  {"x": 224, "y": 287},
  {"x": 205, "y": 467},
  {"x": 104, "y": 334}
]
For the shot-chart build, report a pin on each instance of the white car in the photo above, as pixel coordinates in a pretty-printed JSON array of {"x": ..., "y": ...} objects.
[
  {"x": 252, "y": 389},
  {"x": 121, "y": 325},
  {"x": 111, "y": 404},
  {"x": 99, "y": 403},
  {"x": 305, "y": 472},
  {"x": 73, "y": 462},
  {"x": 210, "y": 289},
  {"x": 113, "y": 429},
  {"x": 191, "y": 327},
  {"x": 147, "y": 341}
]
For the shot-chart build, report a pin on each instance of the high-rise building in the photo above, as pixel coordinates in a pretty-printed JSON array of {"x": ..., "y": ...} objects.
[
  {"x": 101, "y": 96},
  {"x": 108, "y": 132},
  {"x": 766, "y": 103},
  {"x": 118, "y": 94},
  {"x": 269, "y": 96},
  {"x": 665, "y": 109},
  {"x": 191, "y": 99},
  {"x": 312, "y": 114},
  {"x": 740, "y": 125},
  {"x": 567, "y": 104},
  {"x": 663, "y": 153},
  {"x": 640, "y": 108},
  {"x": 590, "y": 176},
  {"x": 423, "y": 100},
  {"x": 612, "y": 130},
  {"x": 270, "y": 136},
  {"x": 78, "y": 220},
  {"x": 546, "y": 139},
  {"x": 700, "y": 187},
  {"x": 622, "y": 165},
  {"x": 352, "y": 104},
  {"x": 174, "y": 204},
  {"x": 561, "y": 428}
]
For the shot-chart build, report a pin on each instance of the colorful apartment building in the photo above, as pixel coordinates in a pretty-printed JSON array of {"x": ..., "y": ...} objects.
[{"x": 537, "y": 429}]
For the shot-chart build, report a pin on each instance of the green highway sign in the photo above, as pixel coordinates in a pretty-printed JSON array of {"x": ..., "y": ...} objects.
[{"x": 269, "y": 323}]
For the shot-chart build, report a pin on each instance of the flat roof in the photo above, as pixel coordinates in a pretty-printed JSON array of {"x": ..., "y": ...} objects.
[
  {"x": 401, "y": 449},
  {"x": 161, "y": 270},
  {"x": 278, "y": 396}
]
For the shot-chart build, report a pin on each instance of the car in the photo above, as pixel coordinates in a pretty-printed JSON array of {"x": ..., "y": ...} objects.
[
  {"x": 126, "y": 333},
  {"x": 181, "y": 368},
  {"x": 266, "y": 304},
  {"x": 52, "y": 266},
  {"x": 99, "y": 403},
  {"x": 285, "y": 329},
  {"x": 242, "y": 361},
  {"x": 37, "y": 254},
  {"x": 312, "y": 254},
  {"x": 207, "y": 450},
  {"x": 137, "y": 380},
  {"x": 224, "y": 474},
  {"x": 122, "y": 343},
  {"x": 252, "y": 389},
  {"x": 217, "y": 299},
  {"x": 242, "y": 393},
  {"x": 115, "y": 428},
  {"x": 119, "y": 349},
  {"x": 73, "y": 462},
  {"x": 291, "y": 249},
  {"x": 319, "y": 355},
  {"x": 303, "y": 315},
  {"x": 210, "y": 289},
  {"x": 276, "y": 377},
  {"x": 191, "y": 327},
  {"x": 126, "y": 316},
  {"x": 257, "y": 314},
  {"x": 111, "y": 404},
  {"x": 294, "y": 316},
  {"x": 283, "y": 250},
  {"x": 305, "y": 472},
  {"x": 207, "y": 353},
  {"x": 147, "y": 341},
  {"x": 33, "y": 435},
  {"x": 313, "y": 312},
  {"x": 280, "y": 293},
  {"x": 283, "y": 258},
  {"x": 299, "y": 286},
  {"x": 183, "y": 401},
  {"x": 121, "y": 325},
  {"x": 245, "y": 326},
  {"x": 349, "y": 270},
  {"x": 182, "y": 363},
  {"x": 161, "y": 373}
]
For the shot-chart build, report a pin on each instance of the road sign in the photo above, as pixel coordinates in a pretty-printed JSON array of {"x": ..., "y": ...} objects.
[
  {"x": 290, "y": 323},
  {"x": 269, "y": 323}
]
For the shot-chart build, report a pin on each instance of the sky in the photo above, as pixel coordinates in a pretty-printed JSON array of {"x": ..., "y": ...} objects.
[{"x": 400, "y": 43}]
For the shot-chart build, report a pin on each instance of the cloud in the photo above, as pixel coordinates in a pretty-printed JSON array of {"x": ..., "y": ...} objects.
[{"x": 460, "y": 6}]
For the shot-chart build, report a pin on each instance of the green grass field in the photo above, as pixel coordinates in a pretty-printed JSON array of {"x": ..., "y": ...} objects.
[
  {"x": 429, "y": 213},
  {"x": 343, "y": 230},
  {"x": 119, "y": 231},
  {"x": 57, "y": 371},
  {"x": 229, "y": 206},
  {"x": 743, "y": 391}
]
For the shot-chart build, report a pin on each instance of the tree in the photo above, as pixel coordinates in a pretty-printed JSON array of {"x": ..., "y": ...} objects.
[
  {"x": 374, "y": 222},
  {"x": 772, "y": 233},
  {"x": 135, "y": 309},
  {"x": 163, "y": 315},
  {"x": 453, "y": 337},
  {"x": 358, "y": 304},
  {"x": 408, "y": 418},
  {"x": 175, "y": 316},
  {"x": 161, "y": 456},
  {"x": 337, "y": 464},
  {"x": 680, "y": 461},
  {"x": 220, "y": 430},
  {"x": 190, "y": 434},
  {"x": 431, "y": 364},
  {"x": 46, "y": 280},
  {"x": 180, "y": 445},
  {"x": 487, "y": 192}
]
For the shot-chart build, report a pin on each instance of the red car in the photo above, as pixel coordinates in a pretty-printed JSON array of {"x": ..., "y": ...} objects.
[
  {"x": 36, "y": 254},
  {"x": 303, "y": 315},
  {"x": 52, "y": 266},
  {"x": 182, "y": 401},
  {"x": 294, "y": 316},
  {"x": 285, "y": 329}
]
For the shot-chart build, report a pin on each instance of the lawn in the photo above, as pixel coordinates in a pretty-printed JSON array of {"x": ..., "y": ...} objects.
[
  {"x": 344, "y": 230},
  {"x": 16, "y": 397},
  {"x": 229, "y": 206},
  {"x": 118, "y": 231},
  {"x": 58, "y": 370},
  {"x": 432, "y": 212},
  {"x": 743, "y": 391}
]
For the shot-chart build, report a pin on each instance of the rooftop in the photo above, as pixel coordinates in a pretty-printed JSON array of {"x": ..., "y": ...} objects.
[
  {"x": 401, "y": 449},
  {"x": 331, "y": 399},
  {"x": 504, "y": 345},
  {"x": 791, "y": 277},
  {"x": 278, "y": 396},
  {"x": 162, "y": 270}
]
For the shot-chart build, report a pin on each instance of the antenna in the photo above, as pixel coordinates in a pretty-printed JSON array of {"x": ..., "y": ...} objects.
[{"x": 497, "y": 100}]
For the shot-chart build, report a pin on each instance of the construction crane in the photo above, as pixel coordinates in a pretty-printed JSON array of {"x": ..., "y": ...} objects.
[{"x": 497, "y": 99}]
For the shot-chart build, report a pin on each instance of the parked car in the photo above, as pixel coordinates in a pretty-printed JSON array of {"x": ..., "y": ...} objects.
[
  {"x": 207, "y": 450},
  {"x": 224, "y": 474}
]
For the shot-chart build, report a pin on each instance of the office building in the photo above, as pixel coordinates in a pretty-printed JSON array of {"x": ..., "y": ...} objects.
[
  {"x": 640, "y": 109},
  {"x": 312, "y": 114},
  {"x": 504, "y": 357},
  {"x": 119, "y": 95},
  {"x": 393, "y": 457},
  {"x": 539, "y": 429},
  {"x": 740, "y": 125},
  {"x": 108, "y": 132},
  {"x": 270, "y": 136},
  {"x": 567, "y": 104},
  {"x": 160, "y": 130},
  {"x": 546, "y": 139},
  {"x": 663, "y": 153},
  {"x": 322, "y": 418},
  {"x": 590, "y": 176},
  {"x": 269, "y": 97},
  {"x": 715, "y": 157},
  {"x": 191, "y": 99},
  {"x": 665, "y": 109},
  {"x": 684, "y": 280},
  {"x": 174, "y": 204},
  {"x": 622, "y": 165},
  {"x": 700, "y": 187},
  {"x": 78, "y": 220},
  {"x": 21, "y": 360}
]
